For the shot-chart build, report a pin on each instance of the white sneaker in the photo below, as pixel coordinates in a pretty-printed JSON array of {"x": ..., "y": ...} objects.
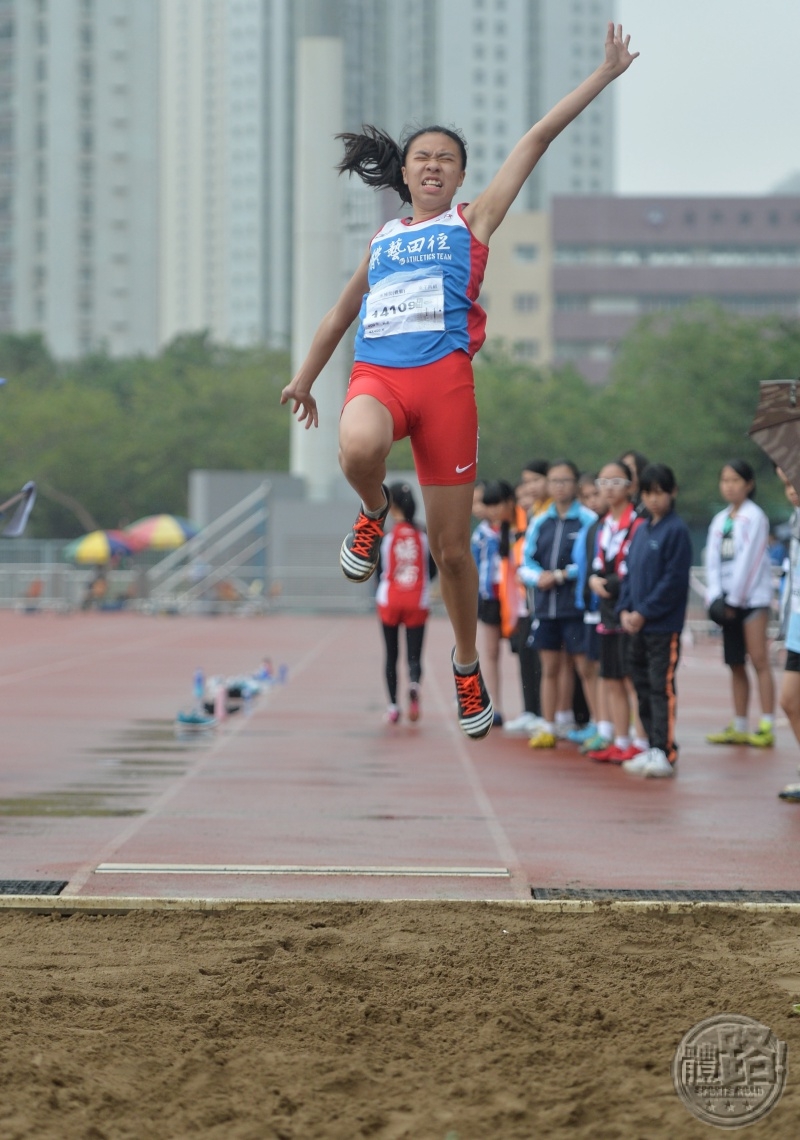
[
  {"x": 639, "y": 763},
  {"x": 563, "y": 730},
  {"x": 659, "y": 766},
  {"x": 524, "y": 725},
  {"x": 652, "y": 763}
]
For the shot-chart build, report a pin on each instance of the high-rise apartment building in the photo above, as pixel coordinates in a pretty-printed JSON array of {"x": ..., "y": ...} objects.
[
  {"x": 79, "y": 172},
  {"x": 488, "y": 67},
  {"x": 147, "y": 146},
  {"x": 211, "y": 186}
]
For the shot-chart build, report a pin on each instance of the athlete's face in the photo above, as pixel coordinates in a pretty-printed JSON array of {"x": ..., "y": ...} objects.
[
  {"x": 658, "y": 502},
  {"x": 733, "y": 488},
  {"x": 789, "y": 490},
  {"x": 561, "y": 484},
  {"x": 433, "y": 171},
  {"x": 615, "y": 485},
  {"x": 537, "y": 484}
]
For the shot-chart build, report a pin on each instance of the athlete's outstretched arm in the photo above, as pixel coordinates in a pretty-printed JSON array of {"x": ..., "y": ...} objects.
[
  {"x": 488, "y": 210},
  {"x": 330, "y": 331}
]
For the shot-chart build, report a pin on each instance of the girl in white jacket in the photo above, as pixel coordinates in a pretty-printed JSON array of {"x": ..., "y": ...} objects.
[{"x": 739, "y": 587}]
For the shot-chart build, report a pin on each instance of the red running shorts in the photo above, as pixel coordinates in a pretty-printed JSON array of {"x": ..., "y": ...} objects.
[
  {"x": 410, "y": 617},
  {"x": 435, "y": 406}
]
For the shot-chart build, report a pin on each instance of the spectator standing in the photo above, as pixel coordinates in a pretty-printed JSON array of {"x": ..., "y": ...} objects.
[
  {"x": 402, "y": 596},
  {"x": 739, "y": 593},
  {"x": 608, "y": 568},
  {"x": 558, "y": 622},
  {"x": 652, "y": 606}
]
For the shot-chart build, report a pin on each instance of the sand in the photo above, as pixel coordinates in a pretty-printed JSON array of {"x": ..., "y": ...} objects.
[{"x": 385, "y": 1020}]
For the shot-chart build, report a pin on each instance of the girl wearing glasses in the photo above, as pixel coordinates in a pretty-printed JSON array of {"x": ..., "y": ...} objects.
[
  {"x": 739, "y": 594},
  {"x": 608, "y": 570}
]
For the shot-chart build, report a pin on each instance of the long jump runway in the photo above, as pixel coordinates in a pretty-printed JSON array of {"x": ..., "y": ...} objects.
[{"x": 308, "y": 794}]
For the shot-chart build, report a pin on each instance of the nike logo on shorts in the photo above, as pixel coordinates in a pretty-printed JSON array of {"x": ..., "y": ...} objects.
[{"x": 461, "y": 470}]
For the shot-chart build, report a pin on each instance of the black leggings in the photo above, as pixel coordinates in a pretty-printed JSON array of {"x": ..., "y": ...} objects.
[{"x": 414, "y": 638}]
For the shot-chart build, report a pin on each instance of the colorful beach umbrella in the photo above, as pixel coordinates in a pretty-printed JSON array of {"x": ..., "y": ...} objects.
[
  {"x": 98, "y": 547},
  {"x": 160, "y": 532}
]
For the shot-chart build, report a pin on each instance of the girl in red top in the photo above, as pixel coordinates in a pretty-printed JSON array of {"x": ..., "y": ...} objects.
[{"x": 403, "y": 595}]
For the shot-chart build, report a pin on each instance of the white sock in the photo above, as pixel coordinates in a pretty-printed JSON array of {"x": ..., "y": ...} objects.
[
  {"x": 640, "y": 743},
  {"x": 465, "y": 670},
  {"x": 375, "y": 514},
  {"x": 622, "y": 742},
  {"x": 740, "y": 723},
  {"x": 564, "y": 716},
  {"x": 605, "y": 729},
  {"x": 767, "y": 721}
]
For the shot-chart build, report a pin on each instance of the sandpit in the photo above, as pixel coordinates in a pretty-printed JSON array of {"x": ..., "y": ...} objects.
[{"x": 426, "y": 1021}]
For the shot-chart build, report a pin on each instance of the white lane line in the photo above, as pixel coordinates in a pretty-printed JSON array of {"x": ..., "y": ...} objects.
[
  {"x": 503, "y": 844},
  {"x": 204, "y": 760},
  {"x": 73, "y": 662}
]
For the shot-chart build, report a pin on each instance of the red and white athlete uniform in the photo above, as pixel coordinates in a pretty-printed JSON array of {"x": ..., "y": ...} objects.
[{"x": 403, "y": 595}]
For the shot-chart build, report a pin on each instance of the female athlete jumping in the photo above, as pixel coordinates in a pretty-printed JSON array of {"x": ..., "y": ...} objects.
[{"x": 415, "y": 294}]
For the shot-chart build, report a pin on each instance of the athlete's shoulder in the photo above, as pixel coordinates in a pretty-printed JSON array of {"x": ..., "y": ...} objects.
[{"x": 390, "y": 229}]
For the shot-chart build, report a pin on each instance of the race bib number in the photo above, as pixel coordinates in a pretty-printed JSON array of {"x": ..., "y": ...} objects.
[{"x": 406, "y": 303}]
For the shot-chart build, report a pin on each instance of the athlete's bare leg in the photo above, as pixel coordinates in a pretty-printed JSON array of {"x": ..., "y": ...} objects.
[
  {"x": 447, "y": 513},
  {"x": 490, "y": 662},
  {"x": 366, "y": 429},
  {"x": 755, "y": 638},
  {"x": 790, "y": 700}
]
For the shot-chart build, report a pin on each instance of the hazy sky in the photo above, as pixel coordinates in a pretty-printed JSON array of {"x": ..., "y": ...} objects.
[{"x": 711, "y": 106}]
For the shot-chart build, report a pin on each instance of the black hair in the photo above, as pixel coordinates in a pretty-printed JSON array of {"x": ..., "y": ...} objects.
[
  {"x": 586, "y": 477},
  {"x": 537, "y": 466},
  {"x": 498, "y": 491},
  {"x": 744, "y": 471},
  {"x": 623, "y": 466},
  {"x": 378, "y": 160},
  {"x": 402, "y": 497},
  {"x": 639, "y": 461},
  {"x": 565, "y": 463},
  {"x": 658, "y": 475}
]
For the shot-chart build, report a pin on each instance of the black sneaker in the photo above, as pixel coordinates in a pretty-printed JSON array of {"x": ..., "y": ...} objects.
[
  {"x": 361, "y": 548},
  {"x": 475, "y": 709}
]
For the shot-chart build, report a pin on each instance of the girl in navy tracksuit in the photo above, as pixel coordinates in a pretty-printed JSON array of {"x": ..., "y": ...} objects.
[{"x": 652, "y": 608}]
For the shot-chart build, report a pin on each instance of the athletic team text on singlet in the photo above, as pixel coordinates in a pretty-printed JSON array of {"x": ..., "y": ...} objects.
[{"x": 424, "y": 282}]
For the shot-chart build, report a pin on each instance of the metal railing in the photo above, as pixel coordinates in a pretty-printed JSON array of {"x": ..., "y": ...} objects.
[{"x": 222, "y": 568}]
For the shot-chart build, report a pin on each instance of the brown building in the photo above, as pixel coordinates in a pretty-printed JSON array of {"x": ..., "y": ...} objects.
[
  {"x": 517, "y": 292},
  {"x": 617, "y": 259}
]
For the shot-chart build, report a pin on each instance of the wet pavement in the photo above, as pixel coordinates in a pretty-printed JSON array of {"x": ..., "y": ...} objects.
[{"x": 307, "y": 794}]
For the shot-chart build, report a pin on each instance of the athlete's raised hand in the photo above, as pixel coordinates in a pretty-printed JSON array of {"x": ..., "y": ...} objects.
[
  {"x": 304, "y": 406},
  {"x": 619, "y": 57}
]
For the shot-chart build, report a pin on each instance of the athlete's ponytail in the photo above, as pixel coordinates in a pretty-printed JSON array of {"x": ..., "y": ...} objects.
[
  {"x": 378, "y": 160},
  {"x": 402, "y": 497}
]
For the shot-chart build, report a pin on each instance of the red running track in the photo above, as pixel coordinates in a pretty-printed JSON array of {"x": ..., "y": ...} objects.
[{"x": 309, "y": 795}]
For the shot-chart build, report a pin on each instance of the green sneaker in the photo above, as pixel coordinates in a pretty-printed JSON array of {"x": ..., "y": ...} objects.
[
  {"x": 729, "y": 735},
  {"x": 594, "y": 744},
  {"x": 763, "y": 737}
]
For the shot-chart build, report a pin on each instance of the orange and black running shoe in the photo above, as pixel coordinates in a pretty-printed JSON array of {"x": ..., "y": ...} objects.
[
  {"x": 361, "y": 548},
  {"x": 475, "y": 709}
]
